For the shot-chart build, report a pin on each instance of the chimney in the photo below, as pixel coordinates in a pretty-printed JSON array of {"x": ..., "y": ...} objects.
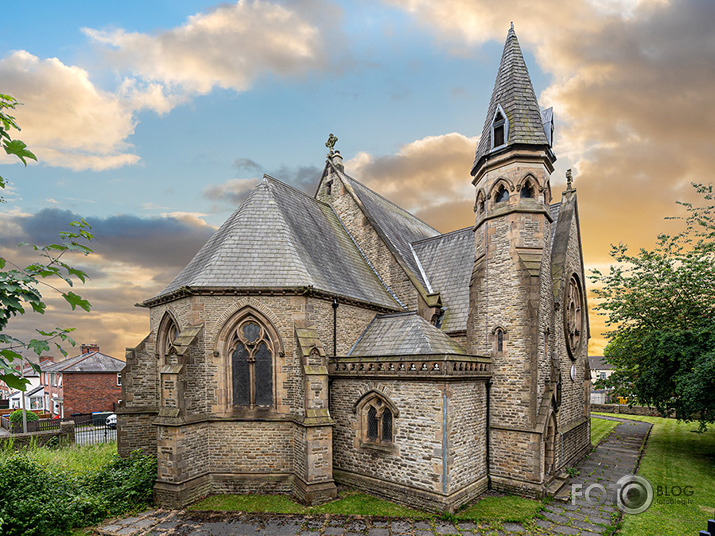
[{"x": 89, "y": 348}]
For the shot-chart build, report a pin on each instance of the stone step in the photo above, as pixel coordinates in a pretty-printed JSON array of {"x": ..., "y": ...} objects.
[{"x": 558, "y": 489}]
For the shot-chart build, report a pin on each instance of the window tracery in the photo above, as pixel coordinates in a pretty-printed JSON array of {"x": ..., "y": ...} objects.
[
  {"x": 252, "y": 352},
  {"x": 377, "y": 422},
  {"x": 501, "y": 195}
]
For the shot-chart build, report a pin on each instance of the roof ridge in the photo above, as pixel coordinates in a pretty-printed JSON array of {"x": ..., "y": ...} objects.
[
  {"x": 270, "y": 178},
  {"x": 442, "y": 235}
]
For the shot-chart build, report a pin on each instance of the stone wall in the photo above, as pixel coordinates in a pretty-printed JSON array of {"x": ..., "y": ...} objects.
[
  {"x": 65, "y": 435},
  {"x": 411, "y": 469},
  {"x": 368, "y": 239},
  {"x": 624, "y": 409}
]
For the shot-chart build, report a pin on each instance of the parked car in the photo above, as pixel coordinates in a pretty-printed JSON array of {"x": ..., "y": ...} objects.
[{"x": 111, "y": 421}]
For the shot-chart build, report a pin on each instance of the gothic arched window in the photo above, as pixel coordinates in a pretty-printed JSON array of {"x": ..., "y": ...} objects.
[
  {"x": 527, "y": 191},
  {"x": 251, "y": 351},
  {"x": 168, "y": 332},
  {"x": 499, "y": 335},
  {"x": 502, "y": 194},
  {"x": 377, "y": 421}
]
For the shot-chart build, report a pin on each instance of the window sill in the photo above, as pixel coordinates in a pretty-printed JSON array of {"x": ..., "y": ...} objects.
[{"x": 378, "y": 447}]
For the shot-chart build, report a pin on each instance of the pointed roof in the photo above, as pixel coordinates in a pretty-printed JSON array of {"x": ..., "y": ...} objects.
[
  {"x": 403, "y": 334},
  {"x": 514, "y": 93},
  {"x": 280, "y": 238},
  {"x": 397, "y": 227}
]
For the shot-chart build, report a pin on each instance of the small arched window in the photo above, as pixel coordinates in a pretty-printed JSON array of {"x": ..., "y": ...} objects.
[
  {"x": 501, "y": 195},
  {"x": 377, "y": 422},
  {"x": 498, "y": 126},
  {"x": 527, "y": 191},
  {"x": 169, "y": 333},
  {"x": 500, "y": 340},
  {"x": 251, "y": 352}
]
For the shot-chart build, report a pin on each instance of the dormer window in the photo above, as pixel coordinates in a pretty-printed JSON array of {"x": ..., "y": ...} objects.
[{"x": 500, "y": 128}]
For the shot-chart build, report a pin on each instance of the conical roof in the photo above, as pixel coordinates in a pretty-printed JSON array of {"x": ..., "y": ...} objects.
[
  {"x": 281, "y": 238},
  {"x": 515, "y": 94}
]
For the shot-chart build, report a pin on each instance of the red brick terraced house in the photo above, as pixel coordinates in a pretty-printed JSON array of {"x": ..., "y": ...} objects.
[{"x": 85, "y": 383}]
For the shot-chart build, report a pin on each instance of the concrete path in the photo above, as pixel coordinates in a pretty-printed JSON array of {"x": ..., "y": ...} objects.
[{"x": 616, "y": 456}]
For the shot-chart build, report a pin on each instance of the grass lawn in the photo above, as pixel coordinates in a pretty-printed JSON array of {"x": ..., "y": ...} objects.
[
  {"x": 600, "y": 428},
  {"x": 493, "y": 510},
  {"x": 77, "y": 459},
  {"x": 675, "y": 455}
]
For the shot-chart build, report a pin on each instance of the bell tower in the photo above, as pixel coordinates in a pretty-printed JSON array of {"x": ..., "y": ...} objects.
[{"x": 510, "y": 309}]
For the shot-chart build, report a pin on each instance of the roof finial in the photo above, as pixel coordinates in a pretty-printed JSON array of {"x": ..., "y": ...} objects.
[
  {"x": 569, "y": 180},
  {"x": 512, "y": 25},
  {"x": 330, "y": 144}
]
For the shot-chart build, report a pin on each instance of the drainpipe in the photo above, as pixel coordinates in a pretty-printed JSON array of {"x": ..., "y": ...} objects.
[
  {"x": 444, "y": 443},
  {"x": 489, "y": 476},
  {"x": 335, "y": 326}
]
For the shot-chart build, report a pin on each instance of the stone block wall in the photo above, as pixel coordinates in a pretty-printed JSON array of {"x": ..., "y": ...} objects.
[{"x": 411, "y": 470}]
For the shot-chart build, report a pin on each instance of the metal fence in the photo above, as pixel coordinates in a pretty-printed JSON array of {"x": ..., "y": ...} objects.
[{"x": 90, "y": 428}]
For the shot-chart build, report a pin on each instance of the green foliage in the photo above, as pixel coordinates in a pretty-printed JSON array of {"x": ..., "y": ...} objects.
[
  {"x": 20, "y": 287},
  {"x": 39, "y": 499},
  {"x": 126, "y": 483},
  {"x": 16, "y": 416},
  {"x": 660, "y": 305}
]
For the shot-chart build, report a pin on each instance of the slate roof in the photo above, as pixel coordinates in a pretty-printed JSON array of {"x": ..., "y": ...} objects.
[
  {"x": 90, "y": 362},
  {"x": 448, "y": 261},
  {"x": 598, "y": 362},
  {"x": 403, "y": 334},
  {"x": 279, "y": 237},
  {"x": 554, "y": 210},
  {"x": 514, "y": 93},
  {"x": 398, "y": 227}
]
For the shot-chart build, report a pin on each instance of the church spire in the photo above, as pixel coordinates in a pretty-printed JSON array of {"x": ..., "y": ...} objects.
[{"x": 513, "y": 117}]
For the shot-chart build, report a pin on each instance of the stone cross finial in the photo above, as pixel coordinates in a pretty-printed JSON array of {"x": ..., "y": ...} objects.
[
  {"x": 330, "y": 144},
  {"x": 569, "y": 180}
]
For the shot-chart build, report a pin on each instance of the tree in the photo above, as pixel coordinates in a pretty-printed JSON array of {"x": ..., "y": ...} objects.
[
  {"x": 661, "y": 306},
  {"x": 20, "y": 286}
]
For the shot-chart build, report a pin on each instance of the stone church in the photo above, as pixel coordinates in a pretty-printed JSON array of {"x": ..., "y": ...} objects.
[{"x": 338, "y": 339}]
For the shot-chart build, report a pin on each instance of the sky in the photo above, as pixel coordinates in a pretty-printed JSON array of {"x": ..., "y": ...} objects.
[{"x": 152, "y": 120}]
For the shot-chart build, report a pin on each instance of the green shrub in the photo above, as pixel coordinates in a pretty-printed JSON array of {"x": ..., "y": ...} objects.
[
  {"x": 16, "y": 416},
  {"x": 126, "y": 483},
  {"x": 37, "y": 501}
]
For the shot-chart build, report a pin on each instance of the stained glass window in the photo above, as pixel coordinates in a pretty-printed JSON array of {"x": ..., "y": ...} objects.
[{"x": 252, "y": 365}]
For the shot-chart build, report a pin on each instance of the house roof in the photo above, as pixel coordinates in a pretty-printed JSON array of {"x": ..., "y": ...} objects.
[
  {"x": 280, "y": 238},
  {"x": 448, "y": 261},
  {"x": 403, "y": 334},
  {"x": 398, "y": 227},
  {"x": 28, "y": 393},
  {"x": 90, "y": 362},
  {"x": 515, "y": 94},
  {"x": 598, "y": 362}
]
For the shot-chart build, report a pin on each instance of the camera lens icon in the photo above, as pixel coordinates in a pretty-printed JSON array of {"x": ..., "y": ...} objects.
[{"x": 634, "y": 494}]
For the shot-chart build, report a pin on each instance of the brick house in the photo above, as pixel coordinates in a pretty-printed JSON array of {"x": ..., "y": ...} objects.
[
  {"x": 338, "y": 338},
  {"x": 85, "y": 383}
]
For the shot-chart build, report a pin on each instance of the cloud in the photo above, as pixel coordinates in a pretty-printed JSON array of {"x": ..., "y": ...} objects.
[
  {"x": 429, "y": 177},
  {"x": 70, "y": 122},
  {"x": 133, "y": 259},
  {"x": 232, "y": 191},
  {"x": 66, "y": 120},
  {"x": 228, "y": 47}
]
